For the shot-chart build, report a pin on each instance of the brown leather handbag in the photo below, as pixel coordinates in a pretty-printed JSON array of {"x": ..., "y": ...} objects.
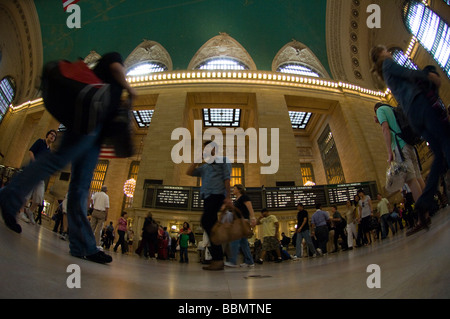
[{"x": 231, "y": 226}]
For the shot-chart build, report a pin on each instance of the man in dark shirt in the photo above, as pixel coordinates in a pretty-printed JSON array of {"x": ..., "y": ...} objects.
[
  {"x": 303, "y": 232},
  {"x": 38, "y": 149}
]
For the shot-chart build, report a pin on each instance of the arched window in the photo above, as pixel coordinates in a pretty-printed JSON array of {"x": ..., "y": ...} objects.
[
  {"x": 7, "y": 94},
  {"x": 220, "y": 63},
  {"x": 297, "y": 68},
  {"x": 431, "y": 31},
  {"x": 146, "y": 68},
  {"x": 402, "y": 59}
]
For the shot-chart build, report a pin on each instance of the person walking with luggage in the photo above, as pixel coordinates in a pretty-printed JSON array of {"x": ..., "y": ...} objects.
[
  {"x": 82, "y": 151},
  {"x": 215, "y": 192},
  {"x": 408, "y": 88},
  {"x": 398, "y": 149},
  {"x": 244, "y": 204}
]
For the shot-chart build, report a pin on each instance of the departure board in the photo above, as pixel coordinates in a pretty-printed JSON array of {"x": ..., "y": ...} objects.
[
  {"x": 172, "y": 197},
  {"x": 275, "y": 198},
  {"x": 197, "y": 202},
  {"x": 338, "y": 194},
  {"x": 289, "y": 197}
]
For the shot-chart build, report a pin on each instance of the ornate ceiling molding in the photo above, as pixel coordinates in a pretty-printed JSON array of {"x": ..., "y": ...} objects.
[
  {"x": 149, "y": 51},
  {"x": 222, "y": 45},
  {"x": 297, "y": 52}
]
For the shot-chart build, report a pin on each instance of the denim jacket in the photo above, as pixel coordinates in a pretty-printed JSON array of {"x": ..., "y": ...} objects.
[{"x": 402, "y": 83}]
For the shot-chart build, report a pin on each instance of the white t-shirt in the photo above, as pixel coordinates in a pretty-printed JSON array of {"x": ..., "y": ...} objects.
[
  {"x": 365, "y": 208},
  {"x": 101, "y": 201}
]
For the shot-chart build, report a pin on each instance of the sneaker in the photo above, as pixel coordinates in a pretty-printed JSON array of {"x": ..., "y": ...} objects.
[
  {"x": 231, "y": 265},
  {"x": 99, "y": 257},
  {"x": 278, "y": 260},
  {"x": 247, "y": 265},
  {"x": 30, "y": 216},
  {"x": 319, "y": 251},
  {"x": 260, "y": 261},
  {"x": 24, "y": 217}
]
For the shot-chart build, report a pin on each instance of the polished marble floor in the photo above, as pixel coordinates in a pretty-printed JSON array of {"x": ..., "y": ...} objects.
[{"x": 34, "y": 264}]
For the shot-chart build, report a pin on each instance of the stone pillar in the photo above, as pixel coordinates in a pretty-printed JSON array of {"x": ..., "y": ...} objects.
[
  {"x": 272, "y": 113},
  {"x": 156, "y": 162}
]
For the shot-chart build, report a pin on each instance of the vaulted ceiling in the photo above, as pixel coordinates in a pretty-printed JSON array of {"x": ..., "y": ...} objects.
[{"x": 183, "y": 26}]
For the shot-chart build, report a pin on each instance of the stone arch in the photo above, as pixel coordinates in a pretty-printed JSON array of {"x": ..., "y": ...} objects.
[
  {"x": 149, "y": 51},
  {"x": 223, "y": 46},
  {"x": 297, "y": 53}
]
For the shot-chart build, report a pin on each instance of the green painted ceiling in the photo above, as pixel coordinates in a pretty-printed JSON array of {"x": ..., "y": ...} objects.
[{"x": 262, "y": 27}]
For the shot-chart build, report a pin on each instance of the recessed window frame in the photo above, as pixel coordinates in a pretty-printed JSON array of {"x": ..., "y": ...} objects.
[
  {"x": 143, "y": 117},
  {"x": 7, "y": 95},
  {"x": 298, "y": 69},
  {"x": 299, "y": 120},
  {"x": 154, "y": 67},
  {"x": 214, "y": 117},
  {"x": 330, "y": 157},
  {"x": 222, "y": 63},
  {"x": 432, "y": 32}
]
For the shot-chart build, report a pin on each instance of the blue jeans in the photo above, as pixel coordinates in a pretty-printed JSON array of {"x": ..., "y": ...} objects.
[
  {"x": 243, "y": 244},
  {"x": 80, "y": 150},
  {"x": 437, "y": 134},
  {"x": 386, "y": 223},
  {"x": 184, "y": 253},
  {"x": 298, "y": 244}
]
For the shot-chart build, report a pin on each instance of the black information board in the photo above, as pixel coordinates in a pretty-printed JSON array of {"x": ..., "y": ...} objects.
[
  {"x": 275, "y": 198},
  {"x": 338, "y": 194},
  {"x": 172, "y": 197},
  {"x": 197, "y": 201},
  {"x": 289, "y": 197}
]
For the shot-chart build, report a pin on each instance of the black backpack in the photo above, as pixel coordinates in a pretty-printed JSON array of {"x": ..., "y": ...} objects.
[
  {"x": 406, "y": 133},
  {"x": 74, "y": 95}
]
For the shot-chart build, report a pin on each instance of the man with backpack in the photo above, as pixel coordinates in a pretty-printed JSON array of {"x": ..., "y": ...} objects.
[
  {"x": 398, "y": 149},
  {"x": 82, "y": 151}
]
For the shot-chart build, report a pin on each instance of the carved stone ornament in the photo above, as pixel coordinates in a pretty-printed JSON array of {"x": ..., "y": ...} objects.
[
  {"x": 297, "y": 52},
  {"x": 222, "y": 45},
  {"x": 149, "y": 51},
  {"x": 91, "y": 59}
]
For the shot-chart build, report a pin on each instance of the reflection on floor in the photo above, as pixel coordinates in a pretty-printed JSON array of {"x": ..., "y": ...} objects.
[{"x": 34, "y": 264}]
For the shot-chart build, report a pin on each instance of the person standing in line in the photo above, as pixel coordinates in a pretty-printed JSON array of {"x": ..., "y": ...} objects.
[
  {"x": 351, "y": 214},
  {"x": 100, "y": 204},
  {"x": 122, "y": 230},
  {"x": 303, "y": 232},
  {"x": 215, "y": 175},
  {"x": 365, "y": 212},
  {"x": 425, "y": 115},
  {"x": 271, "y": 235},
  {"x": 385, "y": 221},
  {"x": 37, "y": 150},
  {"x": 319, "y": 229},
  {"x": 244, "y": 204}
]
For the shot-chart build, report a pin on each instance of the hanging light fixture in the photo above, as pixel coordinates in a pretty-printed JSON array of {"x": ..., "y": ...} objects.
[{"x": 129, "y": 187}]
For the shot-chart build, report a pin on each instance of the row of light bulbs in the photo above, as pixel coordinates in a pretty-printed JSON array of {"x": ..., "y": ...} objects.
[{"x": 275, "y": 78}]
